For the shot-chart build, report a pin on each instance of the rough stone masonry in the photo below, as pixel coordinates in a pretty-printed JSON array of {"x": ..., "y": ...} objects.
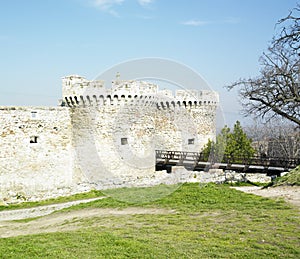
[{"x": 99, "y": 137}]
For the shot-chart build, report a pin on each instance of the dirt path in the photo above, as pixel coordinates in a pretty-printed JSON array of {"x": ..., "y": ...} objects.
[
  {"x": 72, "y": 220},
  {"x": 40, "y": 210},
  {"x": 290, "y": 194},
  {"x": 66, "y": 221}
]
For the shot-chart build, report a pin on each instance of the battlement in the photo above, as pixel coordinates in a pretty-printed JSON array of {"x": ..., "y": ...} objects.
[
  {"x": 75, "y": 85},
  {"x": 189, "y": 104},
  {"x": 117, "y": 100},
  {"x": 79, "y": 92},
  {"x": 196, "y": 95},
  {"x": 133, "y": 87},
  {"x": 102, "y": 100}
]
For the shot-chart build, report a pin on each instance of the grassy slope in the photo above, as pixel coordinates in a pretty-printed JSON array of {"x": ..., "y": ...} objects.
[
  {"x": 292, "y": 178},
  {"x": 212, "y": 221}
]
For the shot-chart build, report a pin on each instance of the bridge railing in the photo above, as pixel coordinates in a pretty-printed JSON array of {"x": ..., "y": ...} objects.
[{"x": 182, "y": 157}]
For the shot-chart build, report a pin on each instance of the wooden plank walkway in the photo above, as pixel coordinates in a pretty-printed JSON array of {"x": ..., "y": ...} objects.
[{"x": 196, "y": 162}]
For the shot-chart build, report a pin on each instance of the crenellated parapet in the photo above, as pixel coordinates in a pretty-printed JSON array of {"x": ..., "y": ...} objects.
[
  {"x": 79, "y": 92},
  {"x": 108, "y": 100},
  {"x": 75, "y": 85},
  {"x": 184, "y": 104},
  {"x": 133, "y": 87},
  {"x": 119, "y": 100}
]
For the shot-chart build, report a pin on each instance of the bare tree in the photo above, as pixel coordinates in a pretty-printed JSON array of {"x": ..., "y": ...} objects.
[
  {"x": 276, "y": 90},
  {"x": 290, "y": 32},
  {"x": 276, "y": 138}
]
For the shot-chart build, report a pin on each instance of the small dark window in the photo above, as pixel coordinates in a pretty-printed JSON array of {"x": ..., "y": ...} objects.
[
  {"x": 33, "y": 115},
  {"x": 33, "y": 139},
  {"x": 191, "y": 141},
  {"x": 124, "y": 141}
]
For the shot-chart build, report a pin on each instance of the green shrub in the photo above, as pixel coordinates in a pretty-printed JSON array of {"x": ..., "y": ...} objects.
[{"x": 234, "y": 146}]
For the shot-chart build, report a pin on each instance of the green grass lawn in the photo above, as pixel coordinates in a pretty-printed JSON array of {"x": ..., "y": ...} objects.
[
  {"x": 75, "y": 197},
  {"x": 211, "y": 221}
]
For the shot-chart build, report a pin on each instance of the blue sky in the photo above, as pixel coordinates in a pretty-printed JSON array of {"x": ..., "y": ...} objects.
[{"x": 44, "y": 40}]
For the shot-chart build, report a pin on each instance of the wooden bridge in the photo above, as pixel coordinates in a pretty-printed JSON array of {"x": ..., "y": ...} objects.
[{"x": 195, "y": 161}]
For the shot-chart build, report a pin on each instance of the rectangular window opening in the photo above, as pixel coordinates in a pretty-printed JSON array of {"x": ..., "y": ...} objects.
[
  {"x": 191, "y": 141},
  {"x": 33, "y": 115},
  {"x": 124, "y": 141},
  {"x": 33, "y": 139}
]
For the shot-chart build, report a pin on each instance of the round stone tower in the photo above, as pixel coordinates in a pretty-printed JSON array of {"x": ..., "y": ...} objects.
[{"x": 117, "y": 130}]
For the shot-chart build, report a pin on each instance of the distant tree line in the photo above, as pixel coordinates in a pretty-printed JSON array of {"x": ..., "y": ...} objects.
[{"x": 276, "y": 139}]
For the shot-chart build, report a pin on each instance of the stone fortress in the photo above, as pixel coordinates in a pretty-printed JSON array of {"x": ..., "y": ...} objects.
[{"x": 99, "y": 137}]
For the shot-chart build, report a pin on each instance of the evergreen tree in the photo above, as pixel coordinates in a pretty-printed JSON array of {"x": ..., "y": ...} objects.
[{"x": 234, "y": 145}]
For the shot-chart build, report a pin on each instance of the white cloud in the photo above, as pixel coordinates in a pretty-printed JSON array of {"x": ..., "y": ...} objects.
[
  {"x": 230, "y": 20},
  {"x": 145, "y": 2},
  {"x": 107, "y": 5},
  {"x": 195, "y": 23}
]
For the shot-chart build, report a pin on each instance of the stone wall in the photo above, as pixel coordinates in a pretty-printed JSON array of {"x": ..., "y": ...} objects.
[
  {"x": 102, "y": 138},
  {"x": 36, "y": 151},
  {"x": 112, "y": 144}
]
